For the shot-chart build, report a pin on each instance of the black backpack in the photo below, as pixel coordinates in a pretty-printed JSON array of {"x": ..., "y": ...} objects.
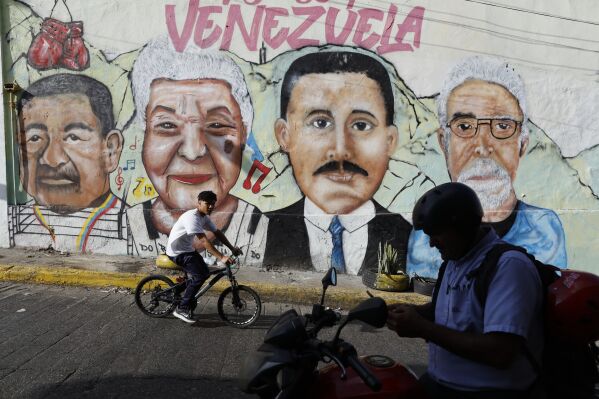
[{"x": 568, "y": 370}]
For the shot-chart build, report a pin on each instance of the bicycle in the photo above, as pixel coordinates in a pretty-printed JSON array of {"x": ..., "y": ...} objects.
[{"x": 158, "y": 296}]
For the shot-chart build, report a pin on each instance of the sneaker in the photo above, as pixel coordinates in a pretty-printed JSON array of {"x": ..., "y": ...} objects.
[{"x": 184, "y": 315}]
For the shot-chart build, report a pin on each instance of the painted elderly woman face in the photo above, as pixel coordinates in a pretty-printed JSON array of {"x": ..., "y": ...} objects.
[{"x": 193, "y": 139}]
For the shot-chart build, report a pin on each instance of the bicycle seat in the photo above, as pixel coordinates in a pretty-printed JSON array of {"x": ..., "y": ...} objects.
[{"x": 164, "y": 262}]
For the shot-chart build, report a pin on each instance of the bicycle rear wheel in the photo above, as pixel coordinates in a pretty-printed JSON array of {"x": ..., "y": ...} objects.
[
  {"x": 155, "y": 296},
  {"x": 241, "y": 308}
]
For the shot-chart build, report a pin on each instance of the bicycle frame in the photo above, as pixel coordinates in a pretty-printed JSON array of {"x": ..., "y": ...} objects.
[{"x": 218, "y": 274}]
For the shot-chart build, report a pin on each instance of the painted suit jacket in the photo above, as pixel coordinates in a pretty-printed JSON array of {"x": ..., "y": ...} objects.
[
  {"x": 538, "y": 230},
  {"x": 287, "y": 243}
]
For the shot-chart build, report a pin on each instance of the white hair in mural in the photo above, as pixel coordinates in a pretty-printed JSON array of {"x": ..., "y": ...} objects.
[
  {"x": 495, "y": 186},
  {"x": 488, "y": 69},
  {"x": 159, "y": 60}
]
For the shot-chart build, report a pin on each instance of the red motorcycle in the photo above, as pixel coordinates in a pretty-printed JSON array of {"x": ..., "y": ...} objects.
[{"x": 286, "y": 365}]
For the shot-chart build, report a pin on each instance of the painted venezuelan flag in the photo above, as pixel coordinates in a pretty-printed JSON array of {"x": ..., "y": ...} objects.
[{"x": 93, "y": 217}]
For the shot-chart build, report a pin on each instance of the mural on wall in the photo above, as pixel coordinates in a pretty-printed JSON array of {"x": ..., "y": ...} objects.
[
  {"x": 197, "y": 113},
  {"x": 483, "y": 135},
  {"x": 339, "y": 139},
  {"x": 317, "y": 152},
  {"x": 68, "y": 148}
]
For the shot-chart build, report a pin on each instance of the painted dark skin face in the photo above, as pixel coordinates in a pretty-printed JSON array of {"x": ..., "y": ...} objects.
[
  {"x": 65, "y": 158},
  {"x": 193, "y": 140},
  {"x": 337, "y": 139}
]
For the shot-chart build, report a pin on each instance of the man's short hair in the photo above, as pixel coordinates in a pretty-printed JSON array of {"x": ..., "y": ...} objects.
[
  {"x": 98, "y": 94},
  {"x": 159, "y": 60},
  {"x": 207, "y": 196},
  {"x": 488, "y": 69},
  {"x": 338, "y": 62}
]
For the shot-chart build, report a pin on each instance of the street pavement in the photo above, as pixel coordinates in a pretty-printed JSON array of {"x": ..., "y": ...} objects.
[
  {"x": 82, "y": 342},
  {"x": 47, "y": 266}
]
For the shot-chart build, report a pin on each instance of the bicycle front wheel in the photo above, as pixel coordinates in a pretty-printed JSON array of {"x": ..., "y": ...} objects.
[
  {"x": 240, "y": 307},
  {"x": 155, "y": 296}
]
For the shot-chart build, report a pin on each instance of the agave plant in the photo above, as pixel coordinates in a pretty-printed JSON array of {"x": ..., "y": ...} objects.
[{"x": 388, "y": 260}]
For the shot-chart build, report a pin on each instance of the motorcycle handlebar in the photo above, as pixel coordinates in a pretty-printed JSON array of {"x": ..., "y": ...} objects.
[{"x": 365, "y": 374}]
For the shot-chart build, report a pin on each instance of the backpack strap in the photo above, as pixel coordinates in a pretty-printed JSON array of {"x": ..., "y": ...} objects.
[
  {"x": 483, "y": 275},
  {"x": 437, "y": 286}
]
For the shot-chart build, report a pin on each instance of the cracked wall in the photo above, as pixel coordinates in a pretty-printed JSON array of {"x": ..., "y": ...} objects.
[{"x": 285, "y": 181}]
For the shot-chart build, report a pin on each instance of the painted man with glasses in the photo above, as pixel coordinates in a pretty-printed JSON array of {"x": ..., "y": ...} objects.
[{"x": 483, "y": 135}]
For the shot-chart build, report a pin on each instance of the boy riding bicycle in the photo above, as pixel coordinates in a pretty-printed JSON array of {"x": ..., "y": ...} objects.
[{"x": 180, "y": 249}]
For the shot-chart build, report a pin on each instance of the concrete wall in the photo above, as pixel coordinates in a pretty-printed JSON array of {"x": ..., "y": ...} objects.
[{"x": 296, "y": 112}]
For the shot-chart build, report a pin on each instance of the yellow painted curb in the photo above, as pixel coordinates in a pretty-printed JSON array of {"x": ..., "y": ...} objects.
[{"x": 336, "y": 296}]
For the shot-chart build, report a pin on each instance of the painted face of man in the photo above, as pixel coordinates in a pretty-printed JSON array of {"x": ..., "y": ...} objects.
[
  {"x": 485, "y": 163},
  {"x": 193, "y": 139},
  {"x": 65, "y": 158},
  {"x": 338, "y": 143}
]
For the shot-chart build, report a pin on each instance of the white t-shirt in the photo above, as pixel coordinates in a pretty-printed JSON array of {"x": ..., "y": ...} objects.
[{"x": 189, "y": 224}]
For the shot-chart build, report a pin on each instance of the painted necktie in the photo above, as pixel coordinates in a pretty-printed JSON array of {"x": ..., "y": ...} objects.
[{"x": 337, "y": 259}]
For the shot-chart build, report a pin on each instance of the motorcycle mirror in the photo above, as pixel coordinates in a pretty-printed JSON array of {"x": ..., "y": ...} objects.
[
  {"x": 372, "y": 311},
  {"x": 330, "y": 278}
]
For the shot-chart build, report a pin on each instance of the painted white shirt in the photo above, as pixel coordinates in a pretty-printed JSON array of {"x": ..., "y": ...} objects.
[
  {"x": 355, "y": 235},
  {"x": 185, "y": 229}
]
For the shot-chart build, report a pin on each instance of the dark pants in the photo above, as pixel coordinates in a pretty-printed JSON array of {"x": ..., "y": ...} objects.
[
  {"x": 435, "y": 390},
  {"x": 197, "y": 273}
]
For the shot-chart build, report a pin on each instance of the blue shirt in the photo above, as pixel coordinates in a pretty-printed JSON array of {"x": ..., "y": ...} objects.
[
  {"x": 538, "y": 230},
  {"x": 513, "y": 305}
]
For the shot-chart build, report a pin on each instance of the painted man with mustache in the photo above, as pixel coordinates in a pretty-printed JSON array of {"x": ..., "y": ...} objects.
[
  {"x": 68, "y": 148},
  {"x": 483, "y": 135},
  {"x": 197, "y": 113},
  {"x": 336, "y": 125}
]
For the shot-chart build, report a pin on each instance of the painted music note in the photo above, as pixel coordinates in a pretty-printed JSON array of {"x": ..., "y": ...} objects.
[
  {"x": 119, "y": 179},
  {"x": 247, "y": 183},
  {"x": 133, "y": 146},
  {"x": 130, "y": 164}
]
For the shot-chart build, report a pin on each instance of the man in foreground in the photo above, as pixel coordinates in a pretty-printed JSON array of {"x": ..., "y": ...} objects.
[
  {"x": 180, "y": 249},
  {"x": 474, "y": 351}
]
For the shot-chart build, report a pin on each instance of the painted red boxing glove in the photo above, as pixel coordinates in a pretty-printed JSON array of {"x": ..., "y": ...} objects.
[
  {"x": 46, "y": 49},
  {"x": 76, "y": 55}
]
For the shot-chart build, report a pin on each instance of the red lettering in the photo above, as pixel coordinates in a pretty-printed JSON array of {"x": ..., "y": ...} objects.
[
  {"x": 270, "y": 23},
  {"x": 234, "y": 18},
  {"x": 412, "y": 23},
  {"x": 313, "y": 13},
  {"x": 364, "y": 27},
  {"x": 180, "y": 41},
  {"x": 204, "y": 23},
  {"x": 331, "y": 22}
]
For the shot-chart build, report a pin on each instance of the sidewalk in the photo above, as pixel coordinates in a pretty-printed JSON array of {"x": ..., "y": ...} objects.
[{"x": 46, "y": 266}]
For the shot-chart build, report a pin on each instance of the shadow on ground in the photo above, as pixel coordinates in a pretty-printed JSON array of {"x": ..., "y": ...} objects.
[{"x": 145, "y": 387}]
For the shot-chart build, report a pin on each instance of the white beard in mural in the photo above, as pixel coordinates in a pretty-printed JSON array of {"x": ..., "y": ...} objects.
[{"x": 489, "y": 180}]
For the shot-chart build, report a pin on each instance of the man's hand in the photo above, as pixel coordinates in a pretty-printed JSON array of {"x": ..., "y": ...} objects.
[
  {"x": 227, "y": 260},
  {"x": 405, "y": 321},
  {"x": 236, "y": 251}
]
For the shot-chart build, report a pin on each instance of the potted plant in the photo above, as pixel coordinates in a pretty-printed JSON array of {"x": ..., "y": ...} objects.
[{"x": 391, "y": 274}]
